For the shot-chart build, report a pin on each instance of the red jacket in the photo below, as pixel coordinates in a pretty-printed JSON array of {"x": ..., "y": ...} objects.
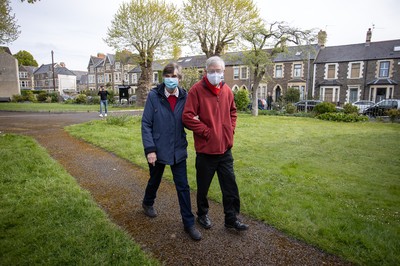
[{"x": 213, "y": 132}]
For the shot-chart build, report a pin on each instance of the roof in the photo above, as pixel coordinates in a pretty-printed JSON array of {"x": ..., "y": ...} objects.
[
  {"x": 29, "y": 69},
  {"x": 359, "y": 52},
  {"x": 297, "y": 53},
  {"x": 385, "y": 81},
  {"x": 57, "y": 69}
]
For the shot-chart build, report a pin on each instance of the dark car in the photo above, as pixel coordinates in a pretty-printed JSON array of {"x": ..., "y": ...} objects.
[
  {"x": 362, "y": 105},
  {"x": 301, "y": 106},
  {"x": 382, "y": 107}
]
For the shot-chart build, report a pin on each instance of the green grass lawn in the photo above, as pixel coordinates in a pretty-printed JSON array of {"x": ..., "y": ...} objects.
[
  {"x": 333, "y": 185},
  {"x": 57, "y": 107},
  {"x": 47, "y": 219}
]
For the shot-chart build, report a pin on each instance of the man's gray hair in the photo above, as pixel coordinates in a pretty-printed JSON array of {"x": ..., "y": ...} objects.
[{"x": 215, "y": 61}]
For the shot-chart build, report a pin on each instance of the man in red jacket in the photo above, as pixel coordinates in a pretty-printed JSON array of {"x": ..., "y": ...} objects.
[{"x": 210, "y": 112}]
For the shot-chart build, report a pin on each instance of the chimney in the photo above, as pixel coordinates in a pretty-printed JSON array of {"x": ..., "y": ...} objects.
[
  {"x": 62, "y": 64},
  {"x": 101, "y": 55},
  {"x": 322, "y": 38},
  {"x": 369, "y": 35}
]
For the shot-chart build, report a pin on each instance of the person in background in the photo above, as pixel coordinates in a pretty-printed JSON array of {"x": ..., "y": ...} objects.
[
  {"x": 164, "y": 142},
  {"x": 210, "y": 112},
  {"x": 103, "y": 100}
]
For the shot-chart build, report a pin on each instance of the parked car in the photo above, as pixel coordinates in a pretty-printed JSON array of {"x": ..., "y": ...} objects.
[
  {"x": 382, "y": 107},
  {"x": 362, "y": 105},
  {"x": 301, "y": 105}
]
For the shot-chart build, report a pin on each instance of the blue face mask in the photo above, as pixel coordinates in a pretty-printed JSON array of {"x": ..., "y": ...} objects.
[
  {"x": 171, "y": 83},
  {"x": 214, "y": 78}
]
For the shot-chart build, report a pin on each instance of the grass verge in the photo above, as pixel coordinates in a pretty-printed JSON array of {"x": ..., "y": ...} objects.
[
  {"x": 57, "y": 107},
  {"x": 47, "y": 219},
  {"x": 333, "y": 185}
]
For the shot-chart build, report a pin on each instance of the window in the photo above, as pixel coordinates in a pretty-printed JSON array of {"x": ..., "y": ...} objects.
[
  {"x": 353, "y": 95},
  {"x": 108, "y": 67},
  {"x": 23, "y": 74},
  {"x": 134, "y": 78},
  {"x": 278, "y": 71},
  {"x": 384, "y": 69},
  {"x": 117, "y": 77},
  {"x": 126, "y": 77},
  {"x": 236, "y": 72},
  {"x": 91, "y": 78},
  {"x": 297, "y": 70},
  {"x": 117, "y": 65},
  {"x": 155, "y": 77},
  {"x": 243, "y": 72},
  {"x": 108, "y": 77},
  {"x": 24, "y": 84},
  {"x": 331, "y": 74},
  {"x": 355, "y": 70}
]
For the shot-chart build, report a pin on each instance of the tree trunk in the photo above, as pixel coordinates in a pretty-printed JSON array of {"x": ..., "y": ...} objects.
[
  {"x": 254, "y": 95},
  {"x": 144, "y": 84}
]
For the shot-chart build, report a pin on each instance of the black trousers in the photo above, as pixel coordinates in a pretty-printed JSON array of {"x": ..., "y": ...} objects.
[{"x": 206, "y": 166}]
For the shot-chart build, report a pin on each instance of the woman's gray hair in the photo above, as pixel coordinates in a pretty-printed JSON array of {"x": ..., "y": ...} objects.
[{"x": 215, "y": 61}]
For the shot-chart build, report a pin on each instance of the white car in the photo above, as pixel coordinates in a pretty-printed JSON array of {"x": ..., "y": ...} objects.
[{"x": 362, "y": 105}]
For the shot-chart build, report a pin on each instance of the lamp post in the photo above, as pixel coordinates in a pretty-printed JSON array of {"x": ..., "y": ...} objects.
[{"x": 52, "y": 69}]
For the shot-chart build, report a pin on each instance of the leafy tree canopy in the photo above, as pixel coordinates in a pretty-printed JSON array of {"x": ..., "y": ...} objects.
[
  {"x": 25, "y": 58},
  {"x": 216, "y": 23},
  {"x": 8, "y": 25}
]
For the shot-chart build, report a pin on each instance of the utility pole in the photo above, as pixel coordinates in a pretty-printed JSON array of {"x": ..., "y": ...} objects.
[{"x": 52, "y": 69}]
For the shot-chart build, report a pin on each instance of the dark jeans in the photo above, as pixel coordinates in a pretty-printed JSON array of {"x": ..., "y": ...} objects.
[
  {"x": 182, "y": 188},
  {"x": 206, "y": 166}
]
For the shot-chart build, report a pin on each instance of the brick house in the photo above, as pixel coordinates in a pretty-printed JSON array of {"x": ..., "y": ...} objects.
[
  {"x": 64, "y": 80},
  {"x": 365, "y": 71},
  {"x": 26, "y": 77}
]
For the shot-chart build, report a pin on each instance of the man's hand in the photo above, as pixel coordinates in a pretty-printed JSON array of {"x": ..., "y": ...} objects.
[{"x": 152, "y": 158}]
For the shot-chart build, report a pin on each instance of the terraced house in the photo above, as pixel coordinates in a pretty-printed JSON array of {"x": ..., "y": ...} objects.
[{"x": 338, "y": 74}]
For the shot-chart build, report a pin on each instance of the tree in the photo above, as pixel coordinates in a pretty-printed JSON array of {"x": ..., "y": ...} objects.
[
  {"x": 8, "y": 25},
  {"x": 217, "y": 23},
  {"x": 25, "y": 58},
  {"x": 259, "y": 37},
  {"x": 190, "y": 77},
  {"x": 242, "y": 99},
  {"x": 30, "y": 1},
  {"x": 144, "y": 26}
]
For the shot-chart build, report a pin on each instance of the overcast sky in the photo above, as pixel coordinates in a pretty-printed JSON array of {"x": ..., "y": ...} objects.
[{"x": 75, "y": 29}]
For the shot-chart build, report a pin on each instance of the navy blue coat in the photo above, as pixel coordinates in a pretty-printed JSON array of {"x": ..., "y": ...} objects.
[{"x": 162, "y": 130}]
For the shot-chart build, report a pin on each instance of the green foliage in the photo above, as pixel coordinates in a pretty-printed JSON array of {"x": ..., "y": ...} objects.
[
  {"x": 44, "y": 214},
  {"x": 292, "y": 95},
  {"x": 290, "y": 108},
  {"x": 343, "y": 117},
  {"x": 120, "y": 120},
  {"x": 28, "y": 96},
  {"x": 42, "y": 96},
  {"x": 393, "y": 114},
  {"x": 81, "y": 99},
  {"x": 17, "y": 98},
  {"x": 8, "y": 24},
  {"x": 349, "y": 108},
  {"x": 190, "y": 77},
  {"x": 324, "y": 107},
  {"x": 25, "y": 58},
  {"x": 242, "y": 99}
]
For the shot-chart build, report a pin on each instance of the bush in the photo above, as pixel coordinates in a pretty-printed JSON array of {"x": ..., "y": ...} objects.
[
  {"x": 292, "y": 95},
  {"x": 324, "y": 107},
  {"x": 350, "y": 109},
  {"x": 393, "y": 114},
  {"x": 290, "y": 108},
  {"x": 81, "y": 99},
  {"x": 242, "y": 99},
  {"x": 29, "y": 96},
  {"x": 342, "y": 117},
  {"x": 17, "y": 98},
  {"x": 42, "y": 96}
]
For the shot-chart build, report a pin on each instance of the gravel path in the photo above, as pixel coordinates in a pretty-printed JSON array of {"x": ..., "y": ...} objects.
[{"x": 118, "y": 186}]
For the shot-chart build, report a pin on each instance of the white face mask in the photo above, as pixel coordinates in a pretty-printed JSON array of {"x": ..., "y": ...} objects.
[{"x": 214, "y": 78}]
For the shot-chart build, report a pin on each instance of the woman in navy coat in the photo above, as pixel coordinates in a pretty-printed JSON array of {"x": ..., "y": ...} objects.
[{"x": 164, "y": 142}]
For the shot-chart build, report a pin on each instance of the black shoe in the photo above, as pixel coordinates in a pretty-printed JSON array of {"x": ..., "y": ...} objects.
[
  {"x": 204, "y": 221},
  {"x": 193, "y": 233},
  {"x": 237, "y": 225},
  {"x": 149, "y": 211}
]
